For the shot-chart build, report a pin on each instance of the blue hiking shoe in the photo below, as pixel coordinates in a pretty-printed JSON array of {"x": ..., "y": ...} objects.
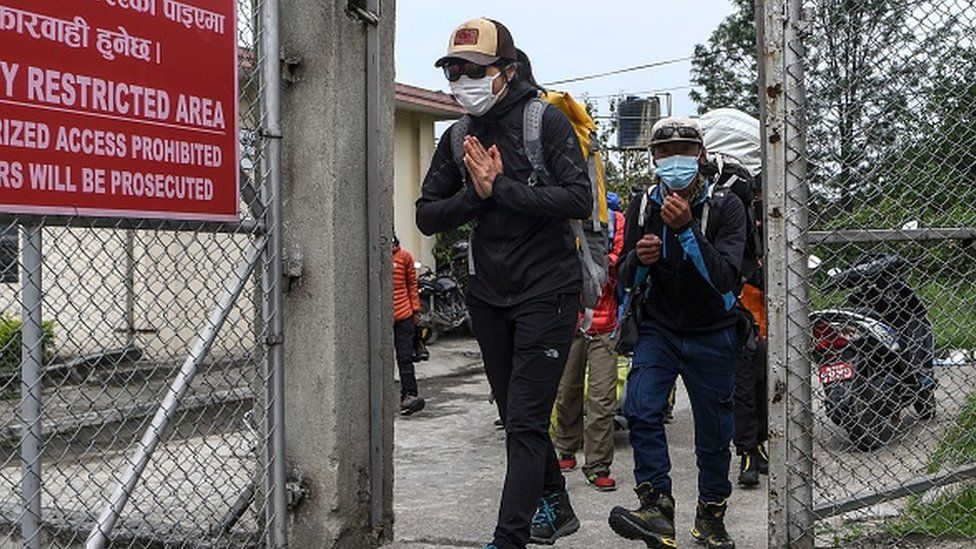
[{"x": 553, "y": 519}]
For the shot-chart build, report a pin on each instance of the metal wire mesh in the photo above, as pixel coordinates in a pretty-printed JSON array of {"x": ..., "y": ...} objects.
[
  {"x": 122, "y": 306},
  {"x": 882, "y": 317}
]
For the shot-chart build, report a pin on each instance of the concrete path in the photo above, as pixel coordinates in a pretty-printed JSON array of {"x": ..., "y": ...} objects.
[{"x": 450, "y": 462}]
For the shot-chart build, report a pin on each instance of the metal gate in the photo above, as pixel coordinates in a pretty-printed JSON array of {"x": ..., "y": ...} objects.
[
  {"x": 141, "y": 392},
  {"x": 871, "y": 156}
]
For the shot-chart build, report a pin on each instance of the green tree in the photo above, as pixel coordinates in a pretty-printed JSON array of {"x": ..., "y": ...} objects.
[{"x": 725, "y": 72}]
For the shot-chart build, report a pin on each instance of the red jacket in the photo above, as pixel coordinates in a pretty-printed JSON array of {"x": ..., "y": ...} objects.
[
  {"x": 406, "y": 297},
  {"x": 605, "y": 313}
]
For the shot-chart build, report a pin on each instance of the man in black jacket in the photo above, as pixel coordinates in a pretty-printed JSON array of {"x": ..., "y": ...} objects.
[
  {"x": 525, "y": 278},
  {"x": 689, "y": 329}
]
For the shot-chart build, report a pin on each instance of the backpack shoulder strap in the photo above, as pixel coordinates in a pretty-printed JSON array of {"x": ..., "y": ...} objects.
[
  {"x": 645, "y": 198},
  {"x": 458, "y": 131},
  {"x": 532, "y": 140},
  {"x": 712, "y": 207}
]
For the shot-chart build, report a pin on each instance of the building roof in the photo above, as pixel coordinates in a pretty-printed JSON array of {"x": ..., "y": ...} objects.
[{"x": 440, "y": 104}]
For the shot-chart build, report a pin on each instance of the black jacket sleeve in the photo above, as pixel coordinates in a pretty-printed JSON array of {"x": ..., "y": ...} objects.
[
  {"x": 568, "y": 195},
  {"x": 723, "y": 257},
  {"x": 627, "y": 263},
  {"x": 445, "y": 203}
]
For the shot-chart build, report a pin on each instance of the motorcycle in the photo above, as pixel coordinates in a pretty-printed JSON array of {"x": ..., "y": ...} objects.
[
  {"x": 875, "y": 356},
  {"x": 442, "y": 296}
]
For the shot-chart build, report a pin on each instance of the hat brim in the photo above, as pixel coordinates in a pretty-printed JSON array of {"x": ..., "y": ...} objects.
[{"x": 470, "y": 56}]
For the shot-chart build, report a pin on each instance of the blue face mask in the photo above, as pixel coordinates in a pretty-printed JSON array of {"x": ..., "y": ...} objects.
[{"x": 677, "y": 172}]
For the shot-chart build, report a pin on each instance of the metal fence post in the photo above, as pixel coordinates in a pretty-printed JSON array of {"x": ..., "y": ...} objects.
[
  {"x": 271, "y": 280},
  {"x": 770, "y": 27},
  {"x": 799, "y": 401},
  {"x": 32, "y": 360}
]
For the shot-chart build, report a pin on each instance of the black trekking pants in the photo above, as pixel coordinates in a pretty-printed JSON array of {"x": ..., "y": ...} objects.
[
  {"x": 403, "y": 332},
  {"x": 525, "y": 348},
  {"x": 750, "y": 404}
]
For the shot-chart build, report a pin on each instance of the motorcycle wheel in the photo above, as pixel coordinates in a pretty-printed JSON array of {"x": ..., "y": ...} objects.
[
  {"x": 925, "y": 405},
  {"x": 429, "y": 334},
  {"x": 871, "y": 430}
]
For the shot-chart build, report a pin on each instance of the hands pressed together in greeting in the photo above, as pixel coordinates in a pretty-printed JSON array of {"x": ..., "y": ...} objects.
[{"x": 484, "y": 165}]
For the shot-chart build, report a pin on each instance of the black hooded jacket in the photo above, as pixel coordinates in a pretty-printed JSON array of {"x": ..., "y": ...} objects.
[
  {"x": 695, "y": 282},
  {"x": 522, "y": 244}
]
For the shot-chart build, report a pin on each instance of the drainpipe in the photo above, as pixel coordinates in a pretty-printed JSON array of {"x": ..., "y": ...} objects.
[{"x": 374, "y": 188}]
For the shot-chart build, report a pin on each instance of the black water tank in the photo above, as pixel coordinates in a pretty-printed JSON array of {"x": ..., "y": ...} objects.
[{"x": 635, "y": 117}]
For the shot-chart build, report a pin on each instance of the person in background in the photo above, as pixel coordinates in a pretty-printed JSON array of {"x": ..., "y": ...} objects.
[
  {"x": 689, "y": 329},
  {"x": 751, "y": 405},
  {"x": 525, "y": 277},
  {"x": 406, "y": 315},
  {"x": 593, "y": 362}
]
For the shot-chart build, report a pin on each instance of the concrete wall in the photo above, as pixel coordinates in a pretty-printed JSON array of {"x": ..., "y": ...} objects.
[
  {"x": 326, "y": 316},
  {"x": 413, "y": 148}
]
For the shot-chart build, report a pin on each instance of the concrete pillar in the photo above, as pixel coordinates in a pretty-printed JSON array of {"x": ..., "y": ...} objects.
[{"x": 326, "y": 317}]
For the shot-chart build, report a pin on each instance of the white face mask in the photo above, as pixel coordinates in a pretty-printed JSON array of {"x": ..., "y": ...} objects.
[{"x": 475, "y": 95}]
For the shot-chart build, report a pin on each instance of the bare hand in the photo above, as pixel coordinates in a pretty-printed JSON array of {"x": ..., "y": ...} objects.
[
  {"x": 676, "y": 212},
  {"x": 416, "y": 319},
  {"x": 649, "y": 249},
  {"x": 483, "y": 166}
]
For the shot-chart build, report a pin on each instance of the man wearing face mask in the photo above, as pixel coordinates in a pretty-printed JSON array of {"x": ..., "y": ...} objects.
[
  {"x": 525, "y": 275},
  {"x": 689, "y": 329}
]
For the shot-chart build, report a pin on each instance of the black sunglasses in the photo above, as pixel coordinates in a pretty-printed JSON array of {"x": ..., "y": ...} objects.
[
  {"x": 454, "y": 71},
  {"x": 683, "y": 132}
]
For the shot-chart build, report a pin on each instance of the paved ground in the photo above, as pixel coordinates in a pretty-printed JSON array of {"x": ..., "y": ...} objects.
[{"x": 450, "y": 459}]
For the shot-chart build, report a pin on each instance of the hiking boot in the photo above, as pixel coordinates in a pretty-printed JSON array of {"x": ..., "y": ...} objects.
[
  {"x": 602, "y": 481},
  {"x": 411, "y": 404},
  {"x": 553, "y": 519},
  {"x": 762, "y": 460},
  {"x": 749, "y": 469},
  {"x": 567, "y": 462},
  {"x": 710, "y": 526},
  {"x": 652, "y": 523}
]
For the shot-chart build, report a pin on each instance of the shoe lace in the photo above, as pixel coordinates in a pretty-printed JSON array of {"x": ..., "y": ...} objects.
[{"x": 546, "y": 514}]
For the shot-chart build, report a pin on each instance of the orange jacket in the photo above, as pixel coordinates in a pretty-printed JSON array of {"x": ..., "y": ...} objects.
[
  {"x": 755, "y": 300},
  {"x": 605, "y": 313},
  {"x": 406, "y": 298}
]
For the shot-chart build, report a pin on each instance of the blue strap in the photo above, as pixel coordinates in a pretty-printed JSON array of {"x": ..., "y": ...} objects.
[{"x": 690, "y": 245}]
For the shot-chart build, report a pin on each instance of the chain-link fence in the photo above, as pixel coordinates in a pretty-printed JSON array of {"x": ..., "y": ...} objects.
[
  {"x": 871, "y": 127},
  {"x": 140, "y": 361}
]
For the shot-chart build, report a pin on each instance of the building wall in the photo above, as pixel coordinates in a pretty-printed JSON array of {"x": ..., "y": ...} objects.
[
  {"x": 413, "y": 149},
  {"x": 178, "y": 278}
]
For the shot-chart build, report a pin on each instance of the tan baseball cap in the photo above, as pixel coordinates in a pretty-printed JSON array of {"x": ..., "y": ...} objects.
[
  {"x": 481, "y": 41},
  {"x": 676, "y": 128}
]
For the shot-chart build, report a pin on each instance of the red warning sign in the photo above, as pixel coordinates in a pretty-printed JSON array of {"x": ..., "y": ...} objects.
[{"x": 121, "y": 108}]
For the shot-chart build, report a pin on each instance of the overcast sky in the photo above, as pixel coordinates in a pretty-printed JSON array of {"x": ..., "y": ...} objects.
[{"x": 565, "y": 39}]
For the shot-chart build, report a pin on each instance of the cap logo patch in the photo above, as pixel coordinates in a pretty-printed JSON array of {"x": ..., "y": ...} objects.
[{"x": 466, "y": 37}]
